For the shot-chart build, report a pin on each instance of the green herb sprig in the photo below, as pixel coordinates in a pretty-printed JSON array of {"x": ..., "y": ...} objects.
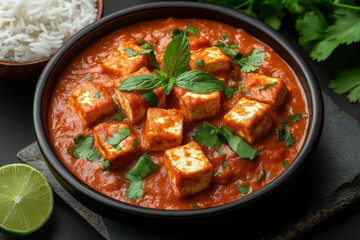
[
  {"x": 176, "y": 62},
  {"x": 143, "y": 167},
  {"x": 211, "y": 136}
]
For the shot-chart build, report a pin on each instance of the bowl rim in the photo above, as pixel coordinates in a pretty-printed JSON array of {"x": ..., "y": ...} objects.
[
  {"x": 100, "y": 7},
  {"x": 314, "y": 127}
]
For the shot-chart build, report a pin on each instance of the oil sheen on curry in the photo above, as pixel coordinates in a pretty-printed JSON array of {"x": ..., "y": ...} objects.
[{"x": 178, "y": 114}]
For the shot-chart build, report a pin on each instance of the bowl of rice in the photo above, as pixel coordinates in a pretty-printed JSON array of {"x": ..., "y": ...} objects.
[{"x": 32, "y": 31}]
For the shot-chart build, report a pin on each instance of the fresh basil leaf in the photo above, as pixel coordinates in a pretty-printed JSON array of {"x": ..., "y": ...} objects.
[
  {"x": 238, "y": 145},
  {"x": 152, "y": 56},
  {"x": 168, "y": 86},
  {"x": 175, "y": 32},
  {"x": 161, "y": 75},
  {"x": 243, "y": 189},
  {"x": 140, "y": 82},
  {"x": 151, "y": 98},
  {"x": 130, "y": 52},
  {"x": 234, "y": 45},
  {"x": 192, "y": 29},
  {"x": 230, "y": 92},
  {"x": 177, "y": 56},
  {"x": 199, "y": 81}
]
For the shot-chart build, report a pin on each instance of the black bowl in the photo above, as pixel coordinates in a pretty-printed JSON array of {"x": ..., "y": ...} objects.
[{"x": 110, "y": 207}]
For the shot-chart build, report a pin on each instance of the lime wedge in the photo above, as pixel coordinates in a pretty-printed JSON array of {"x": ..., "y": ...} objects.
[{"x": 26, "y": 199}]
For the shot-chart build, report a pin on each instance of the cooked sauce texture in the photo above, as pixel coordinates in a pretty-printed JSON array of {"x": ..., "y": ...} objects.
[{"x": 231, "y": 177}]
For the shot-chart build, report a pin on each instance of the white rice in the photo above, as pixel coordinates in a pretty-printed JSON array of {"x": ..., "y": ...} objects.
[{"x": 34, "y": 29}]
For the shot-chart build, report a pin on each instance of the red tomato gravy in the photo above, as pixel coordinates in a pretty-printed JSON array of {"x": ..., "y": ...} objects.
[{"x": 64, "y": 124}]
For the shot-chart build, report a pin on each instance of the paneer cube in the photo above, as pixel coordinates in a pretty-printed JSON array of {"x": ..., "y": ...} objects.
[
  {"x": 132, "y": 103},
  {"x": 266, "y": 89},
  {"x": 197, "y": 42},
  {"x": 197, "y": 106},
  {"x": 213, "y": 59},
  {"x": 125, "y": 60},
  {"x": 163, "y": 128},
  {"x": 91, "y": 102},
  {"x": 118, "y": 154},
  {"x": 188, "y": 168},
  {"x": 249, "y": 119}
]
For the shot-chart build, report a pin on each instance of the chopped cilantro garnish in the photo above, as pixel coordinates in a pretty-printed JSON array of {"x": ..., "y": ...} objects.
[
  {"x": 211, "y": 136},
  {"x": 246, "y": 63},
  {"x": 224, "y": 38},
  {"x": 83, "y": 148},
  {"x": 119, "y": 180},
  {"x": 265, "y": 86},
  {"x": 145, "y": 45},
  {"x": 97, "y": 95},
  {"x": 234, "y": 45},
  {"x": 262, "y": 175},
  {"x": 242, "y": 91},
  {"x": 283, "y": 135},
  {"x": 285, "y": 164},
  {"x": 88, "y": 77},
  {"x": 217, "y": 174},
  {"x": 224, "y": 164},
  {"x": 296, "y": 117},
  {"x": 117, "y": 137},
  {"x": 208, "y": 135},
  {"x": 243, "y": 189},
  {"x": 192, "y": 29},
  {"x": 221, "y": 153},
  {"x": 200, "y": 62},
  {"x": 106, "y": 164},
  {"x": 195, "y": 206},
  {"x": 130, "y": 52},
  {"x": 119, "y": 115},
  {"x": 137, "y": 174}
]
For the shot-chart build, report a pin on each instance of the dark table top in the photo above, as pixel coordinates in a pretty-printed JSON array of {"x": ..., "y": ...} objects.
[{"x": 17, "y": 131}]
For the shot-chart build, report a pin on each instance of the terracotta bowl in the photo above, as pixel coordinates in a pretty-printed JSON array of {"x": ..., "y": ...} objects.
[
  {"x": 30, "y": 71},
  {"x": 110, "y": 207}
]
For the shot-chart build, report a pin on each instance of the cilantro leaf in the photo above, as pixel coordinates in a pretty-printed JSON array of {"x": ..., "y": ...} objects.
[
  {"x": 106, "y": 164},
  {"x": 117, "y": 137},
  {"x": 283, "y": 135},
  {"x": 209, "y": 136},
  {"x": 145, "y": 45},
  {"x": 348, "y": 82},
  {"x": 296, "y": 117},
  {"x": 83, "y": 148},
  {"x": 135, "y": 190},
  {"x": 251, "y": 62},
  {"x": 130, "y": 52},
  {"x": 143, "y": 167},
  {"x": 192, "y": 29},
  {"x": 262, "y": 176},
  {"x": 243, "y": 189},
  {"x": 285, "y": 164}
]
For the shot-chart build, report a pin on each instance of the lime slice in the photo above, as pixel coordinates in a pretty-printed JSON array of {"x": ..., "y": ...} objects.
[{"x": 26, "y": 199}]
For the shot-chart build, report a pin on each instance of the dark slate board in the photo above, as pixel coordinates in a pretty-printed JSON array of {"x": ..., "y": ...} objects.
[{"x": 329, "y": 183}]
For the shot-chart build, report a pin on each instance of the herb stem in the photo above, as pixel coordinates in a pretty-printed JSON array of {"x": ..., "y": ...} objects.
[{"x": 346, "y": 6}]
